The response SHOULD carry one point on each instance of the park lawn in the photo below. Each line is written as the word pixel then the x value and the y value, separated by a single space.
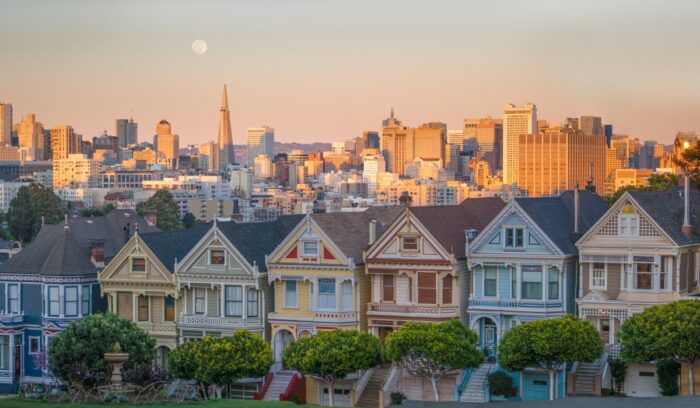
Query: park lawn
pixel 13 402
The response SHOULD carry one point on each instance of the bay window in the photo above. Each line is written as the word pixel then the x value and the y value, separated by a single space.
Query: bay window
pixel 427 288
pixel 290 294
pixel 13 298
pixel 4 352
pixel 54 301
pixel 71 301
pixel 169 309
pixel 388 288
pixel 143 308
pixel 233 301
pixel 598 276
pixel 447 290
pixel 252 303
pixel 326 294
pixel 665 268
pixel 85 300
pixel 490 281
pixel 643 272
pixel 553 281
pixel 200 300
pixel 346 302
pixel 532 282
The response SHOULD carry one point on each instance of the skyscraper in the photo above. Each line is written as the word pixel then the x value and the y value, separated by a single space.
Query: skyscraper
pixel 489 138
pixel 64 142
pixel 225 138
pixel 167 144
pixel 209 157
pixel 127 132
pixel 401 145
pixel 31 136
pixel 5 124
pixel 261 140
pixel 591 125
pixel 517 120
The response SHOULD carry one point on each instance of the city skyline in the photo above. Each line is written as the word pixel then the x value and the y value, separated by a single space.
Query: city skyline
pixel 114 64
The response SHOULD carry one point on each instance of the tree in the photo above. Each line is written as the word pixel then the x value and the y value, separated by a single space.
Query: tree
pixel 548 344
pixel 164 204
pixel 690 162
pixel 87 340
pixel 664 331
pixel 27 209
pixel 332 355
pixel 218 361
pixel 188 220
pixel 657 182
pixel 431 350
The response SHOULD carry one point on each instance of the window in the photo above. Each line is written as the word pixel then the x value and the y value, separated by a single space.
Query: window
pixel 309 248
pixel 71 301
pixel 598 276
pixel 169 309
pixel 490 282
pixel 54 301
pixel 143 308
pixel 388 288
pixel 346 295
pixel 290 294
pixel 200 300
pixel 326 293
pixel 233 297
pixel 643 272
pixel 34 345
pixel 553 288
pixel 138 264
pixel 252 300
pixel 4 352
pixel 628 222
pixel 13 298
pixel 514 237
pixel 513 282
pixel 217 257
pixel 85 300
pixel 447 290
pixel 532 282
pixel 409 244
pixel 664 272
pixel 426 287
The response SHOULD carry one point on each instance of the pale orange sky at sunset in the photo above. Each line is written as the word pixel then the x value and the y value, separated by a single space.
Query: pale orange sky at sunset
pixel 327 70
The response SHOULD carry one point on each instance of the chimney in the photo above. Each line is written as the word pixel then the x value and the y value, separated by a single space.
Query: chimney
pixel 372 231
pixel 97 252
pixel 686 228
pixel 151 217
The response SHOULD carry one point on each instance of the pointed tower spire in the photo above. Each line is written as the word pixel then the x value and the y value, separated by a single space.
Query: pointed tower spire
pixel 225 139
pixel 224 100
pixel 392 112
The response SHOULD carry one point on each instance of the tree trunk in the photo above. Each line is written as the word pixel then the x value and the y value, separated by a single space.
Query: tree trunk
pixel 331 393
pixel 435 388
pixel 218 389
pixel 691 378
pixel 552 380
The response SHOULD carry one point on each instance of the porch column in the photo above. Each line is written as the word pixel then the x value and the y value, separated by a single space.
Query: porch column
pixel 612 330
pixel 222 300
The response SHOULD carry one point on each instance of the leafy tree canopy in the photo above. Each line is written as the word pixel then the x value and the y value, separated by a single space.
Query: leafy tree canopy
pixel 88 339
pixel 332 355
pixel 164 204
pixel 188 220
pixel 26 210
pixel 431 350
pixel 657 182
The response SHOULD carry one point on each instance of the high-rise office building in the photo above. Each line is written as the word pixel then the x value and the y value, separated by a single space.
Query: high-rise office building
pixel 650 154
pixel 557 159
pixel 591 125
pixel 209 157
pixel 64 142
pixel 401 145
pixel 5 124
pixel 369 140
pixel 76 171
pixel 127 132
pixel 489 139
pixel 167 144
pixel 455 137
pixel 225 139
pixel 262 166
pixel 261 140
pixel 517 120
pixel 31 136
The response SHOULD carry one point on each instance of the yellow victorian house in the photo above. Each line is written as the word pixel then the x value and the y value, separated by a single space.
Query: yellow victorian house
pixel 319 282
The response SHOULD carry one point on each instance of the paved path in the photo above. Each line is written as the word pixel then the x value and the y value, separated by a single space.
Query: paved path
pixel 576 402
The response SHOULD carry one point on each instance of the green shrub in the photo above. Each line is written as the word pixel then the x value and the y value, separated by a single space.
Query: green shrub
pixel 618 369
pixel 397 398
pixel 667 372
pixel 502 384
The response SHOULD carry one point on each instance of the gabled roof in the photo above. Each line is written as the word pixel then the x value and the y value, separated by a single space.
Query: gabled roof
pixel 256 240
pixel 349 231
pixel 171 246
pixel 54 252
pixel 666 209
pixel 447 223
pixel 555 216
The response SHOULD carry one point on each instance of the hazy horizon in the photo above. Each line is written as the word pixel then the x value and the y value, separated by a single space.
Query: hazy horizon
pixel 320 71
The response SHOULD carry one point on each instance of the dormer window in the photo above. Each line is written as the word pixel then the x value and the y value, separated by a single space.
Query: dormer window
pixel 138 264
pixel 515 237
pixel 628 222
pixel 409 244
pixel 309 248
pixel 217 257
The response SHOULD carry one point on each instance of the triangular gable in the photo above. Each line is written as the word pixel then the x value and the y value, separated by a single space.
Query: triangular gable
pixel 489 240
pixel 607 225
pixel 388 244
pixel 290 252
pixel 197 259
pixel 119 267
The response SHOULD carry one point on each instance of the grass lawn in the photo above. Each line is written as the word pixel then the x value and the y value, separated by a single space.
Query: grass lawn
pixel 13 402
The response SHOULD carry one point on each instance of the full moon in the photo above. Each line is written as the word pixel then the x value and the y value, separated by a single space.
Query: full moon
pixel 199 46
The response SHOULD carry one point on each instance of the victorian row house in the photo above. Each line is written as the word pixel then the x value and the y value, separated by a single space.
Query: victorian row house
pixel 644 251
pixel 51 283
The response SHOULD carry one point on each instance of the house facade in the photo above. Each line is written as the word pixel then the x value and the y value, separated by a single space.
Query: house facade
pixel 317 273
pixel 639 254
pixel 524 268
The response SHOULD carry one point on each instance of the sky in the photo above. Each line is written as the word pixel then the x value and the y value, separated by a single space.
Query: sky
pixel 325 70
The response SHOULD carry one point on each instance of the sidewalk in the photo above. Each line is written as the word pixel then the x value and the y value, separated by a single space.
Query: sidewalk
pixel 574 402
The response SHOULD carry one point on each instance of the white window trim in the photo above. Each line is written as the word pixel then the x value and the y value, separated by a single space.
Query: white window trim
pixel 351 295
pixel 217 265
pixel 505 237
pixel 29 344
pixel 131 264
pixel 48 301
pixel 335 294
pixel 7 298
pixel 303 248
pixel 78 300
pixel 244 304
pixel 403 249
pixel 629 216
pixel 194 301
pixel 483 285
pixel 284 294
pixel 605 277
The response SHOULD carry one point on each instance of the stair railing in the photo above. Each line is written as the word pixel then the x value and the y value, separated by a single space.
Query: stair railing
pixel 463 381
pixel 266 384
pixel 362 384
pixel 296 389
pixel 388 386
pixel 485 385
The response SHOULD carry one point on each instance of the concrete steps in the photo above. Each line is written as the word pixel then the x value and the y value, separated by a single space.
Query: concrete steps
pixel 474 392
pixel 279 384
pixel 370 396
pixel 584 384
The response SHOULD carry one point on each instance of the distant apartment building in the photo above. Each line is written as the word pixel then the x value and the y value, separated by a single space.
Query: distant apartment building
pixel 555 160
pixel 632 178
pixel 426 169
pixel 591 125
pixel 76 171
pixel 209 157
pixel 64 142
pixel 627 150
pixel 241 182
pixel 206 187
pixel 8 192
pixel 261 140
pixel 401 145
pixel 128 180
pixel 262 167
pixel 489 140
pixel 208 210
pixel 5 123
pixel 30 134
pixel 517 120
pixel 127 132
pixel 167 144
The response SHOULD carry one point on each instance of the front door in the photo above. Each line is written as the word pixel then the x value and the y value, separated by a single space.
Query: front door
pixel 18 362
pixel 605 330
pixel 490 340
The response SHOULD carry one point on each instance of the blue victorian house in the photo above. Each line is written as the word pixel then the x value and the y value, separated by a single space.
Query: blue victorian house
pixel 524 267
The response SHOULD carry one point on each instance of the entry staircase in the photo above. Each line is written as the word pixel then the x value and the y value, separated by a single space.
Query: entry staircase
pixel 475 389
pixel 278 385
pixel 370 396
